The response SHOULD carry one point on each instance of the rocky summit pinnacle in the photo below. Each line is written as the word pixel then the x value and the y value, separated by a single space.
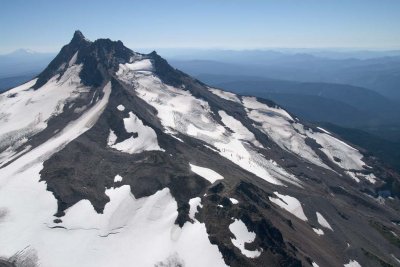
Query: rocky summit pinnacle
pixel 111 157
pixel 78 35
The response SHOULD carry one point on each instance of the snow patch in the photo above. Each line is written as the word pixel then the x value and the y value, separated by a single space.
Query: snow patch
pixel 145 141
pixel 242 236
pixel 233 200
pixel 117 178
pixel 290 204
pixel 225 95
pixel 323 222
pixel 140 65
pixel 121 108
pixel 73 59
pixel 194 203
pixel 325 131
pixel 252 103
pixel 318 231
pixel 206 173
pixel 112 138
pixel 352 263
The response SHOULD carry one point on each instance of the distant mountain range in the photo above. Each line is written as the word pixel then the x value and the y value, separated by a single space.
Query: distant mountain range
pixel 381 75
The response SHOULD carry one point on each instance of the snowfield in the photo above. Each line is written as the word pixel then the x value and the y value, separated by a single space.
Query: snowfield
pixel 84 235
pixel 291 136
pixel 181 112
pixel 56 143
pixel 25 111
pixel 278 124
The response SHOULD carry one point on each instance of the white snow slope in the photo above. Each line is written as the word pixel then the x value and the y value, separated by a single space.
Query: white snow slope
pixel 25 111
pixel 130 230
pixel 179 111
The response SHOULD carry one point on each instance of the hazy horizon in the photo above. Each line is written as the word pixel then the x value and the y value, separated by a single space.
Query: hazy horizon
pixel 45 26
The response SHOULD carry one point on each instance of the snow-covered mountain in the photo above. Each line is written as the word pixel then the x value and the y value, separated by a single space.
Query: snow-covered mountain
pixel 114 158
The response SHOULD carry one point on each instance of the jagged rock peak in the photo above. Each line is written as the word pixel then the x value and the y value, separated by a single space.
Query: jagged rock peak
pixel 78 35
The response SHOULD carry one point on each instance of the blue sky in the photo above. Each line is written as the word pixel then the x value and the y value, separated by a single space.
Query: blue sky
pixel 44 25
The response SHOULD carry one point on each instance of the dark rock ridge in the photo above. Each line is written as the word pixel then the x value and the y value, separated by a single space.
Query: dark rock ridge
pixel 86 167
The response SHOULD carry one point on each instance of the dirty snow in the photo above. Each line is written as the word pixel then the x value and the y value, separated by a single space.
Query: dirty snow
pixel 242 236
pixel 206 173
pixel 290 204
pixel 145 141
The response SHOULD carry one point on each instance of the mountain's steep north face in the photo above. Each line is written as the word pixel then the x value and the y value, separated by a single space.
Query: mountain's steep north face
pixel 113 158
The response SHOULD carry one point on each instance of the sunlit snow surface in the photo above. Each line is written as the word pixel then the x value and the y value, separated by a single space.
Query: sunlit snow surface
pixel 277 124
pixel 242 236
pixel 291 135
pixel 323 222
pixel 234 201
pixel 142 230
pixel 318 231
pixel 146 139
pixel 179 111
pixel 25 111
pixel 225 95
pixel 206 173
pixel 130 230
pixel 290 204
pixel 352 263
